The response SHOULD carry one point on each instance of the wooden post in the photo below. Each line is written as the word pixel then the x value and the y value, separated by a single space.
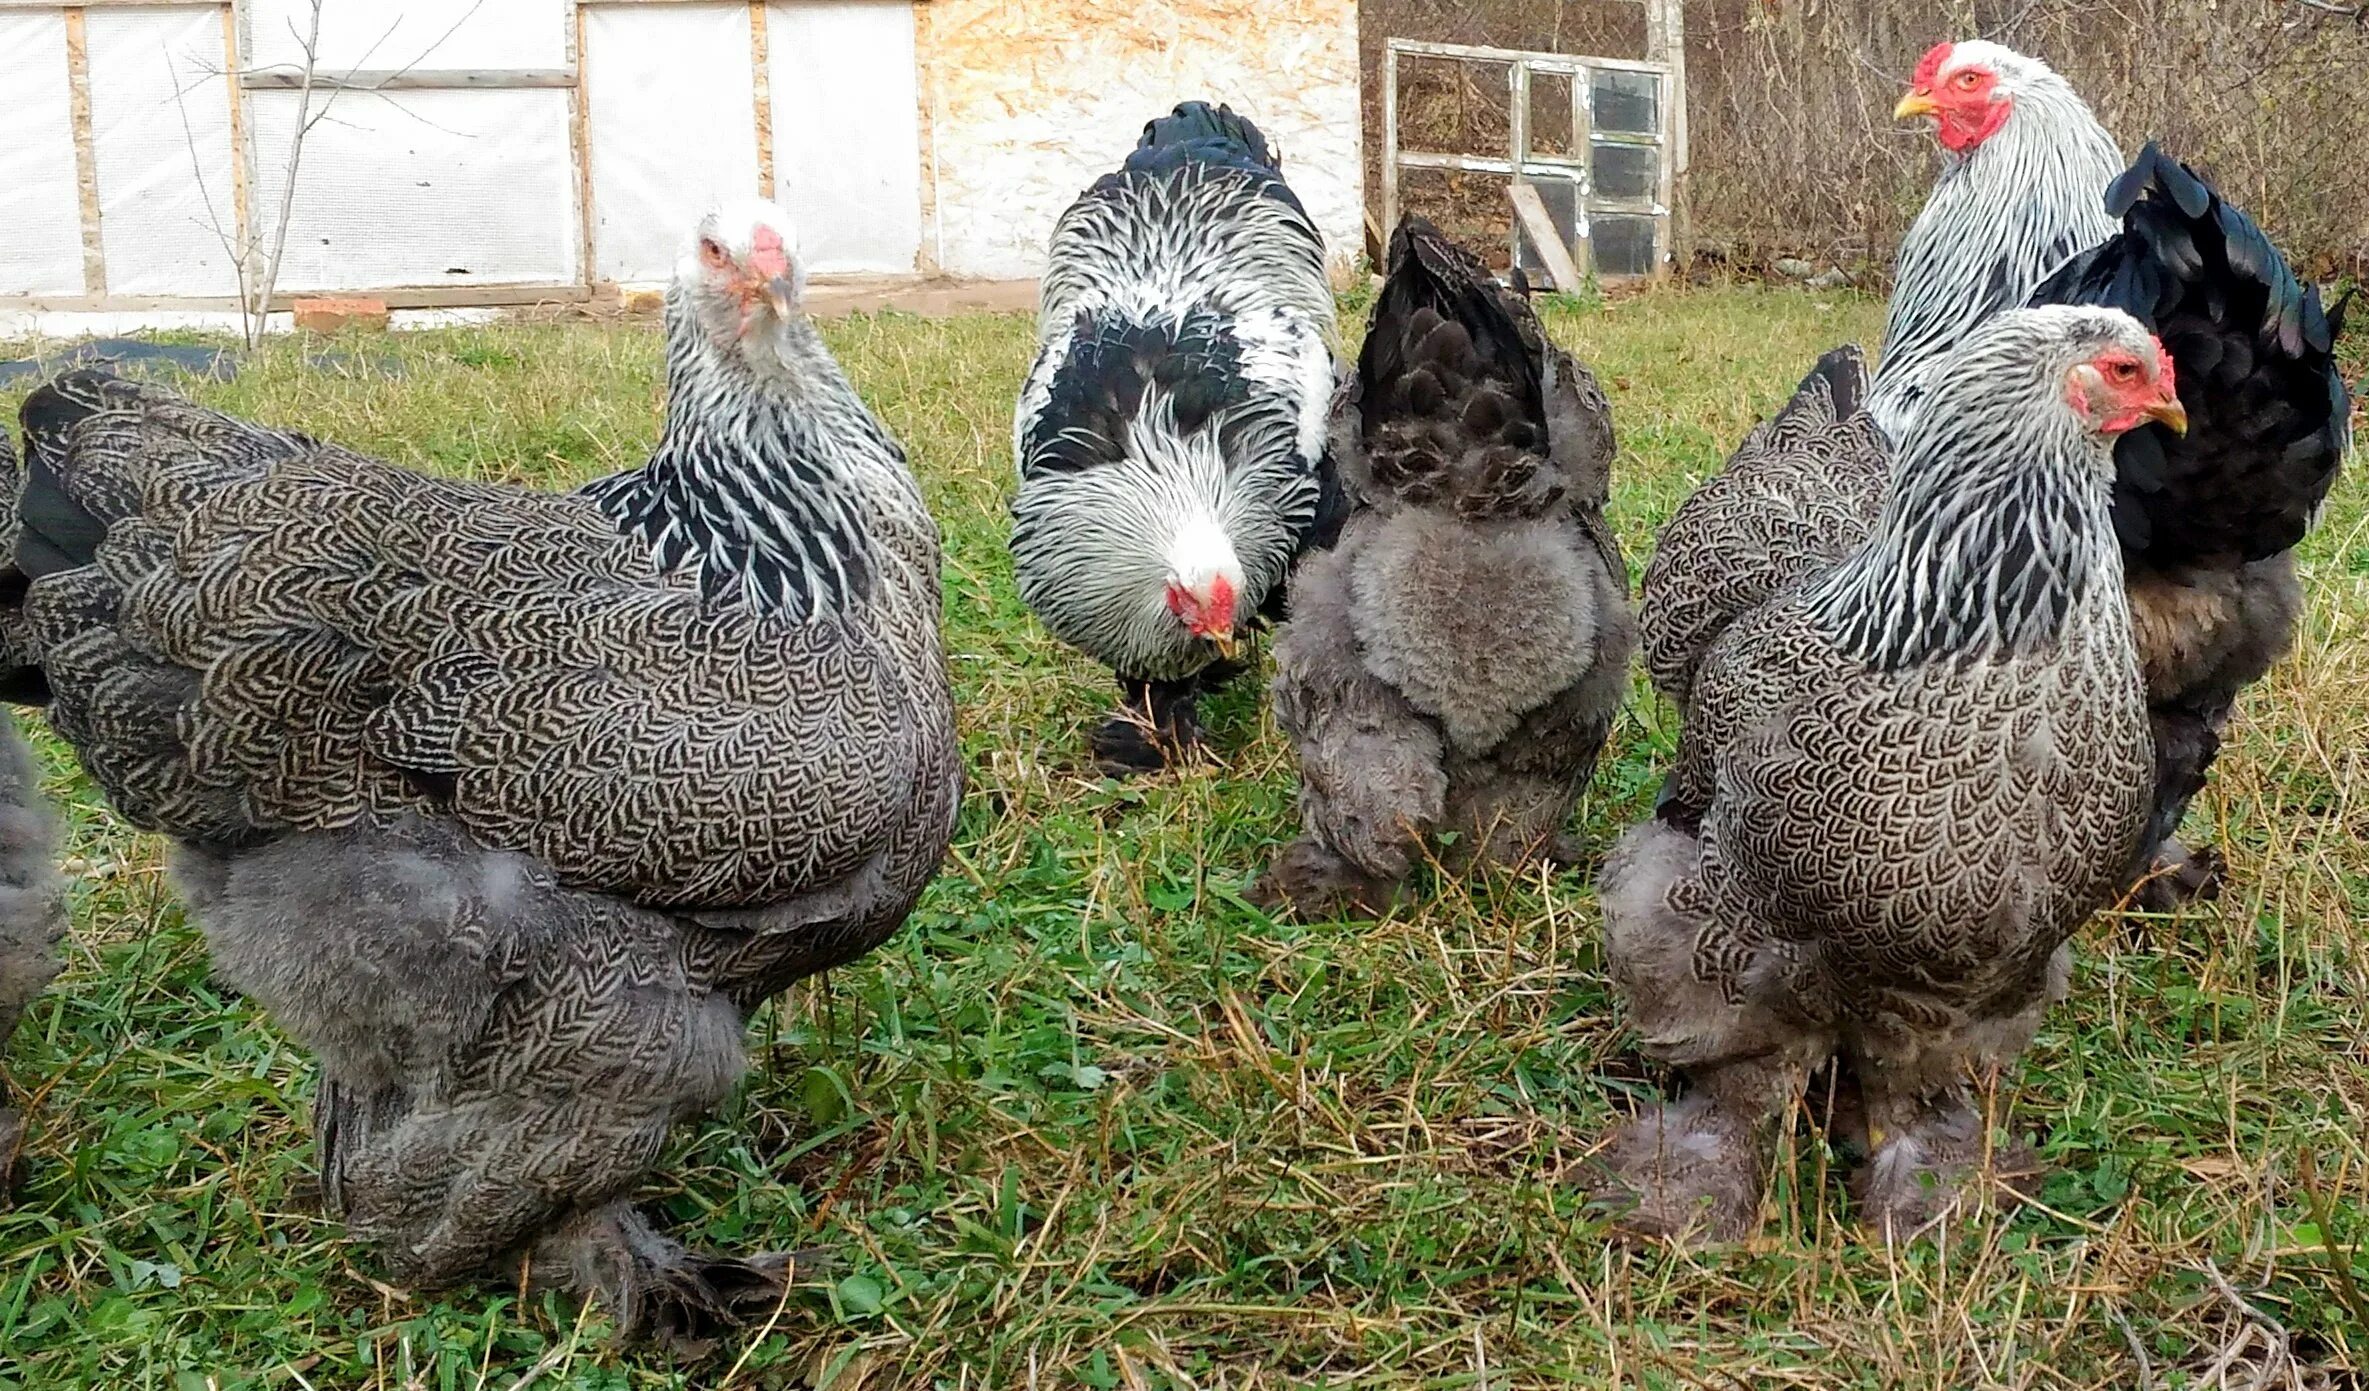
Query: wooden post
pixel 1517 82
pixel 761 76
pixel 242 198
pixel 1665 43
pixel 580 148
pixel 1389 149
pixel 86 154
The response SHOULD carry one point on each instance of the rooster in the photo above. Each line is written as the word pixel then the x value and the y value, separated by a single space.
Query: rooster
pixel 1170 437
pixel 2023 165
pixel 1478 458
pixel 1902 783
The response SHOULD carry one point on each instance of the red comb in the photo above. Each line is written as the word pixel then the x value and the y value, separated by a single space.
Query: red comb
pixel 1929 66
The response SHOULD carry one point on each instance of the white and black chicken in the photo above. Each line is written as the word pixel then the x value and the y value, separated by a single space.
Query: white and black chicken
pixel 1170 438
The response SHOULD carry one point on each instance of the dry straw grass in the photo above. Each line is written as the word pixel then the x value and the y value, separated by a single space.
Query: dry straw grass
pixel 1091 1121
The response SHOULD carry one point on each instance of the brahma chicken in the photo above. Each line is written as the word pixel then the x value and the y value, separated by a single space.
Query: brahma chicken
pixel 1902 783
pixel 509 805
pixel 1170 437
pixel 2206 523
pixel 1454 663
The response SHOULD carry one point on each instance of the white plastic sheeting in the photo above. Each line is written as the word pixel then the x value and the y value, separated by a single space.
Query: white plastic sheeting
pixel 378 36
pixel 406 188
pixel 846 131
pixel 672 110
pixel 160 124
pixel 40 207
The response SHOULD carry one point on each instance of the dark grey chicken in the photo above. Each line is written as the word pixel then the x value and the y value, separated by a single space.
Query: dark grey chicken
pixel 1903 782
pixel 1453 664
pixel 512 805
pixel 32 905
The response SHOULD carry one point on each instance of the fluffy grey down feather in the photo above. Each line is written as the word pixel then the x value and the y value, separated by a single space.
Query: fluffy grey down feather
pixel 32 906
pixel 1454 663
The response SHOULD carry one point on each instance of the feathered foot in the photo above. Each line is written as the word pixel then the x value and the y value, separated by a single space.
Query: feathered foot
pixel 1316 883
pixel 1931 1167
pixel 658 1289
pixel 1688 1171
pixel 1157 725
pixel 2176 876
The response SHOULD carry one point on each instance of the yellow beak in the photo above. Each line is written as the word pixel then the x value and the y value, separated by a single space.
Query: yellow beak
pixel 2170 412
pixel 1916 103
pixel 1226 643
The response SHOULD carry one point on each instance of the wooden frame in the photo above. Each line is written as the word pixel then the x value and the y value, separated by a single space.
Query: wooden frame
pixel 241 81
pixel 1524 165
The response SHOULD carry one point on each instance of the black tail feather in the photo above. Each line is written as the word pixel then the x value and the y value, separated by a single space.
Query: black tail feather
pixel 1198 123
pixel 2252 346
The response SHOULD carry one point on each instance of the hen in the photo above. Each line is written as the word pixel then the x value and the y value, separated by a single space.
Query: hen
pixel 32 904
pixel 1903 782
pixel 1454 662
pixel 1170 437
pixel 512 805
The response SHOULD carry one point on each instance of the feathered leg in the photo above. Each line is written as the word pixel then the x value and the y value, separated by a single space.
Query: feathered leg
pixel 1929 1145
pixel 1372 781
pixel 1695 1168
pixel 2204 635
pixel 502 1057
pixel 1156 723
pixel 32 909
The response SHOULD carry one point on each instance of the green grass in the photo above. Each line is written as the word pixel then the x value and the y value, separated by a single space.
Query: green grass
pixel 1089 1120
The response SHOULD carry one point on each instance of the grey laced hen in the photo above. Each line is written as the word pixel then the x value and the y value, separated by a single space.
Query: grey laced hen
pixel 1170 436
pixel 512 805
pixel 1454 662
pixel 1902 783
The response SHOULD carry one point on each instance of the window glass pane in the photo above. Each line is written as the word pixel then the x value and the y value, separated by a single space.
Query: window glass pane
pixel 1622 245
pixel 1626 101
pixel 1626 171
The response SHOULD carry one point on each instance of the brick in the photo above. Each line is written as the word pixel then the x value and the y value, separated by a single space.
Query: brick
pixel 335 315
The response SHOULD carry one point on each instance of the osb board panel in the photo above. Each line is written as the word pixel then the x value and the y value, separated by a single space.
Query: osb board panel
pixel 1031 100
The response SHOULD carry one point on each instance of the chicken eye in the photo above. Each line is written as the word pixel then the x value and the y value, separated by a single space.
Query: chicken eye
pixel 2122 371
pixel 711 252
pixel 1968 80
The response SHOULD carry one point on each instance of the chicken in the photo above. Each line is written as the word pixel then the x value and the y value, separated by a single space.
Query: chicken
pixel 511 806
pixel 1477 457
pixel 2024 164
pixel 2206 523
pixel 1902 784
pixel 1170 437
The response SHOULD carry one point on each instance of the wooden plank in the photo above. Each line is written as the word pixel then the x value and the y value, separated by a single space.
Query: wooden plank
pixel 1517 140
pixel 1665 41
pixel 410 79
pixel 106 4
pixel 580 151
pixel 931 257
pixel 1390 154
pixel 1531 215
pixel 1471 164
pixel 242 199
pixel 400 297
pixel 86 153
pixel 1544 62
pixel 761 78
